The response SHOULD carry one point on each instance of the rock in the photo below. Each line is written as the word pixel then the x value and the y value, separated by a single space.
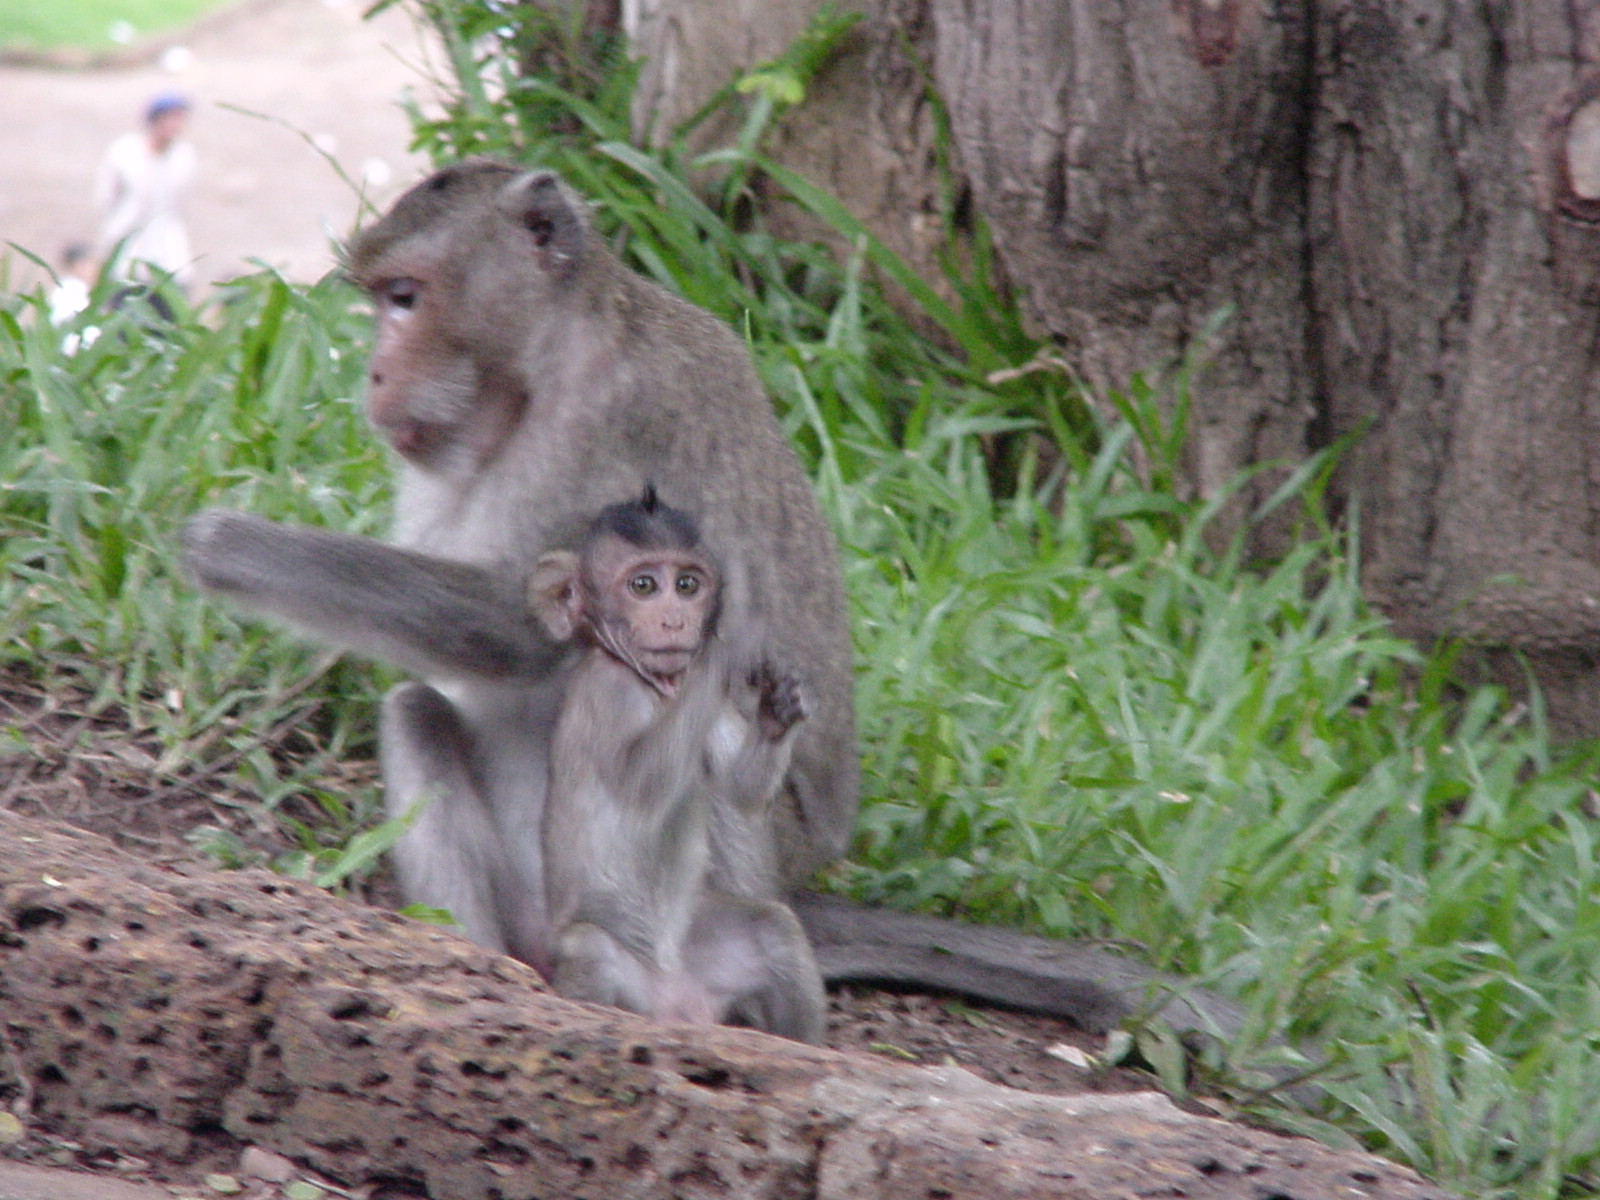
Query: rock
pixel 377 1049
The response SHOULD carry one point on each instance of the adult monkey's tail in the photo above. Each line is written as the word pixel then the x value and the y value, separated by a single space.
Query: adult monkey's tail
pixel 1091 987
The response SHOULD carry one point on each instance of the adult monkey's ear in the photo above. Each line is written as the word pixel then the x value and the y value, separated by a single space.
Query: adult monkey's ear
pixel 554 218
pixel 553 593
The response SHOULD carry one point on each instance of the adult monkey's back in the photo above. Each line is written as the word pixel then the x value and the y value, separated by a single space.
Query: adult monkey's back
pixel 527 380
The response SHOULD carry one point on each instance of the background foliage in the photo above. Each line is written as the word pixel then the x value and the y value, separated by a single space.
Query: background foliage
pixel 90 24
pixel 1082 710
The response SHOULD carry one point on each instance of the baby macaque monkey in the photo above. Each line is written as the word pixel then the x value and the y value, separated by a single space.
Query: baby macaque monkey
pixel 656 726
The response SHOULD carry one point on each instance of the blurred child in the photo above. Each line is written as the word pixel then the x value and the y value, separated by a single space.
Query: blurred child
pixel 71 294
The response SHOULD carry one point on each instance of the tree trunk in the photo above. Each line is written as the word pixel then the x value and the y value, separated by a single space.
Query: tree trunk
pixel 1399 201
pixel 867 131
pixel 1454 199
pixel 140 1008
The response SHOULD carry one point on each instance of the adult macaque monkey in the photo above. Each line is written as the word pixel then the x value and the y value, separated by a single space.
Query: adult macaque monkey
pixel 527 379
pixel 647 722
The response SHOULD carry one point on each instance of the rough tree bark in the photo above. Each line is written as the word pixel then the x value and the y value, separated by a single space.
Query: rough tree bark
pixel 1455 217
pixel 1400 201
pixel 140 1007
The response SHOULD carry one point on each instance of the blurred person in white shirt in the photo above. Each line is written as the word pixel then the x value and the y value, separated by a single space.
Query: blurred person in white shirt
pixel 141 188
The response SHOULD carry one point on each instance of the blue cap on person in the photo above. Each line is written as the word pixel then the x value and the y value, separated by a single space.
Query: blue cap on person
pixel 166 102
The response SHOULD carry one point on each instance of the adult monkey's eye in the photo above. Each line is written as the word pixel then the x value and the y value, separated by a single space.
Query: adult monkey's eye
pixel 401 293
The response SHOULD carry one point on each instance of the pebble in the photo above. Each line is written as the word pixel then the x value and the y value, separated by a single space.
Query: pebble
pixel 264 1164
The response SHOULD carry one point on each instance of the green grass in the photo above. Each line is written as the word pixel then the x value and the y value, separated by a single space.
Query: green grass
pixel 91 24
pixel 1078 714
pixel 109 449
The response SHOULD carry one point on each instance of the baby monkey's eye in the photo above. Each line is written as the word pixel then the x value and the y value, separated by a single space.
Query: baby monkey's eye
pixel 642 585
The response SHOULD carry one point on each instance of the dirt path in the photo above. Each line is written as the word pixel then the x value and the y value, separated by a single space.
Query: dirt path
pixel 313 66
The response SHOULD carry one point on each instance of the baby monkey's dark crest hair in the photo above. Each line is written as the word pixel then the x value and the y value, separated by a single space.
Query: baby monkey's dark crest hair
pixel 648 523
